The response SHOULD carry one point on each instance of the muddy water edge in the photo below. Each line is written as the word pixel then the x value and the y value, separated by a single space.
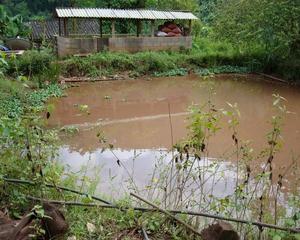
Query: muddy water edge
pixel 143 118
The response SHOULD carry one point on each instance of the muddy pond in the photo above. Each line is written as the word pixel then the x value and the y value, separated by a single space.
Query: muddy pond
pixel 142 119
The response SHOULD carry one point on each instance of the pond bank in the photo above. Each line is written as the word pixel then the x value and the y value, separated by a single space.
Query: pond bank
pixel 126 76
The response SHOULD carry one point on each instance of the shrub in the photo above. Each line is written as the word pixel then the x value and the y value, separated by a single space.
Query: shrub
pixel 118 61
pixel 289 69
pixel 148 62
pixel 3 64
pixel 206 53
pixel 75 66
pixel 49 75
pixel 31 62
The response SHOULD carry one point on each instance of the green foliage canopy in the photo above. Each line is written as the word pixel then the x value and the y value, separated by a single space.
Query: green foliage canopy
pixel 273 24
pixel 11 26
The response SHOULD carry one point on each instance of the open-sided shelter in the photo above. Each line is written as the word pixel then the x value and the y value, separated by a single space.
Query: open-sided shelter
pixel 70 43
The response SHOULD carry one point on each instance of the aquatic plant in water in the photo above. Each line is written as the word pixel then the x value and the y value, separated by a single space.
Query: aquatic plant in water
pixel 221 69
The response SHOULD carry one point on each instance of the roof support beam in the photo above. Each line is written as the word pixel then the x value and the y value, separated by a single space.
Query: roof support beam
pixel 74 26
pixel 152 28
pixel 138 27
pixel 66 27
pixel 100 27
pixel 113 28
pixel 190 27
pixel 59 27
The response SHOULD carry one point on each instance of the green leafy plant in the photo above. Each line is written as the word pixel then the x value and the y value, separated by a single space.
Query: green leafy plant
pixel 3 64
pixel 32 62
pixel 175 72
pixel 221 69
pixel 11 26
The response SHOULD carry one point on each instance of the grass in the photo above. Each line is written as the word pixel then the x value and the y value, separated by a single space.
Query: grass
pixel 217 57
pixel 111 223
pixel 204 54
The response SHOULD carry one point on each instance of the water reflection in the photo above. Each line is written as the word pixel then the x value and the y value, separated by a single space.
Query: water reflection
pixel 136 115
pixel 135 170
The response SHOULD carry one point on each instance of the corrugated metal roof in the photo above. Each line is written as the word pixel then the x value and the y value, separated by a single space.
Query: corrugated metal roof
pixel 183 15
pixel 146 14
pixel 105 13
pixel 159 14
pixel 123 14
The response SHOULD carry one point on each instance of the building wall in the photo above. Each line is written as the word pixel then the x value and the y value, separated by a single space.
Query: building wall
pixel 71 46
pixel 148 43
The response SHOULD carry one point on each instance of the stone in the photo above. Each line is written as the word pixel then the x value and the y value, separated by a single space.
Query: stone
pixel 54 225
pixel 219 231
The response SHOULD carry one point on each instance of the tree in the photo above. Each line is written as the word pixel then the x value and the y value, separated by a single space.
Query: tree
pixel 11 26
pixel 273 24
pixel 207 10
pixel 32 8
pixel 190 5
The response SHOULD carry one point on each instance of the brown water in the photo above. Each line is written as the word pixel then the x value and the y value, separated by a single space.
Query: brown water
pixel 134 116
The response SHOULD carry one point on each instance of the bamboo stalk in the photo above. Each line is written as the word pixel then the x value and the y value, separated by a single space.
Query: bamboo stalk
pixel 272 77
pixel 145 234
pixel 27 182
pixel 192 213
pixel 167 213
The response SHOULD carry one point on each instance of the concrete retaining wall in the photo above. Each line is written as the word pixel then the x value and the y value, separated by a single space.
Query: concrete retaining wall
pixel 71 46
pixel 79 45
pixel 148 43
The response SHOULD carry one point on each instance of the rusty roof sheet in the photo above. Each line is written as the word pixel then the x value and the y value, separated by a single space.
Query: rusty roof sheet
pixel 123 14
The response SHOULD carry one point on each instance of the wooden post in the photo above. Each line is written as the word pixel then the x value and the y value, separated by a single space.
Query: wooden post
pixel 152 28
pixel 44 30
pixel 76 25
pixel 59 27
pixel 190 27
pixel 65 27
pixel 73 26
pixel 113 30
pixel 100 27
pixel 138 27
